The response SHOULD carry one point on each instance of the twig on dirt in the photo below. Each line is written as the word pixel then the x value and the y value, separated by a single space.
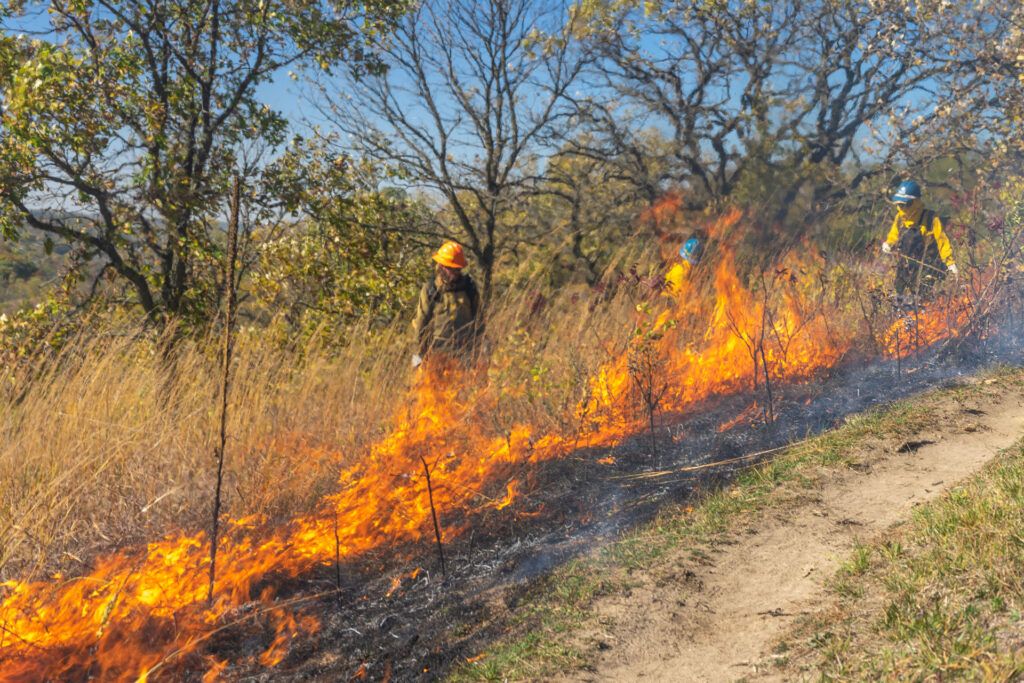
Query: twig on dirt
pixel 766 322
pixel 474 492
pixel 704 466
pixel 899 352
pixel 869 321
pixel 146 508
pixel 770 408
pixel 645 367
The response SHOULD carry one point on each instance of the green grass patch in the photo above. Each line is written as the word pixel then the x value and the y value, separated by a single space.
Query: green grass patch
pixel 939 598
pixel 539 642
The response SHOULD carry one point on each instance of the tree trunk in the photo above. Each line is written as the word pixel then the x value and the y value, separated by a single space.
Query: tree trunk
pixel 486 280
pixel 485 261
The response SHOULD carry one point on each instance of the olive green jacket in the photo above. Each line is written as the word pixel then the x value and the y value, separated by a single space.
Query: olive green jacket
pixel 448 316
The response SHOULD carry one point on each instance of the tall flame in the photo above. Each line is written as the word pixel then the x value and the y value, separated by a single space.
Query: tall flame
pixel 140 611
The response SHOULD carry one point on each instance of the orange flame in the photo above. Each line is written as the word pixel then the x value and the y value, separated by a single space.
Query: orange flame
pixel 933 322
pixel 396 582
pixel 748 414
pixel 140 610
pixel 510 494
pixel 663 214
pixel 213 673
pixel 288 627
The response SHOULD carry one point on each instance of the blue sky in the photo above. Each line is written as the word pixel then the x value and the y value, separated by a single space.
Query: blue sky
pixel 283 94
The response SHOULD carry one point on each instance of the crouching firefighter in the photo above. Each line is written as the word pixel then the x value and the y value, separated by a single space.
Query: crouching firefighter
pixel 921 246
pixel 448 320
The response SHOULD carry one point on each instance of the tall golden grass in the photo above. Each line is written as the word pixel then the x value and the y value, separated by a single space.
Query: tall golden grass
pixel 110 442
pixel 114 443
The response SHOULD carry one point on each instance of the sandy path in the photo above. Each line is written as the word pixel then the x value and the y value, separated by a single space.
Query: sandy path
pixel 716 621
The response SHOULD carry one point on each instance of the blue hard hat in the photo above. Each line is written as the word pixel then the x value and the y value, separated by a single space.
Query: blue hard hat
pixel 908 191
pixel 690 251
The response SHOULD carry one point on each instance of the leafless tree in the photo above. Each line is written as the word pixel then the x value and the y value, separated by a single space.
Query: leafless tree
pixel 698 74
pixel 649 380
pixel 469 107
pixel 784 100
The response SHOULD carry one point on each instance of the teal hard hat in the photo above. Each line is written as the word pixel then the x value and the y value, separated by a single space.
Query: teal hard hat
pixel 907 192
pixel 691 250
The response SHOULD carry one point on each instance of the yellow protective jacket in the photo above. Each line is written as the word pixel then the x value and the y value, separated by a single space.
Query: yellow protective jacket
pixel 676 278
pixel 907 219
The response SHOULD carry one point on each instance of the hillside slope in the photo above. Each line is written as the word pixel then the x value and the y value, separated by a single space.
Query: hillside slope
pixel 777 568
pixel 707 594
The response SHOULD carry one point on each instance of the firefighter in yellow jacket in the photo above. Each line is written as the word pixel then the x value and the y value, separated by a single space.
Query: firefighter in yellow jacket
pixel 679 274
pixel 919 242
pixel 448 314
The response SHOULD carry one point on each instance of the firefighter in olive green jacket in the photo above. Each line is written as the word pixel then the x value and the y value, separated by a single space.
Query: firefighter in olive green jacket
pixel 448 314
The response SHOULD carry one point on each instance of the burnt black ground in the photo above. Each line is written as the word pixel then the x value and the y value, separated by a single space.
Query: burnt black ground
pixel 427 625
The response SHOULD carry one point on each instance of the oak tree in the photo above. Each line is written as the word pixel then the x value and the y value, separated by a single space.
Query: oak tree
pixel 123 121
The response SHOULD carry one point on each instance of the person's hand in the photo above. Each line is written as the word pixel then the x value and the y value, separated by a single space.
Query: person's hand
pixel 416 360
pixel 886 248
pixel 953 269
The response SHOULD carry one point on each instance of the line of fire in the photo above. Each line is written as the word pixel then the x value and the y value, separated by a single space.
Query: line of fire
pixel 713 374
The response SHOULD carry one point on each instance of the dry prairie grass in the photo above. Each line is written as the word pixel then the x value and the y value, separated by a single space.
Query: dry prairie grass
pixel 111 444
pixel 114 443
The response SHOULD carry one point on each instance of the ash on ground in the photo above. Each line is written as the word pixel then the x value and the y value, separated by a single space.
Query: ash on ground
pixel 396 618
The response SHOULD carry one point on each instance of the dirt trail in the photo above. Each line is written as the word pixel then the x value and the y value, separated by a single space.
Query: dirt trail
pixel 717 621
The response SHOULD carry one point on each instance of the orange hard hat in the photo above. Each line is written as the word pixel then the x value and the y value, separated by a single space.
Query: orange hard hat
pixel 450 255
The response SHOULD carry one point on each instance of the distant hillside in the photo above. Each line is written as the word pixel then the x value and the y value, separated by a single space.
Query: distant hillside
pixel 26 270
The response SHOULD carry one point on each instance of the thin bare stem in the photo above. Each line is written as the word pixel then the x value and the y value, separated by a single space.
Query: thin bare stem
pixel 229 323
pixel 433 512
pixel 337 553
